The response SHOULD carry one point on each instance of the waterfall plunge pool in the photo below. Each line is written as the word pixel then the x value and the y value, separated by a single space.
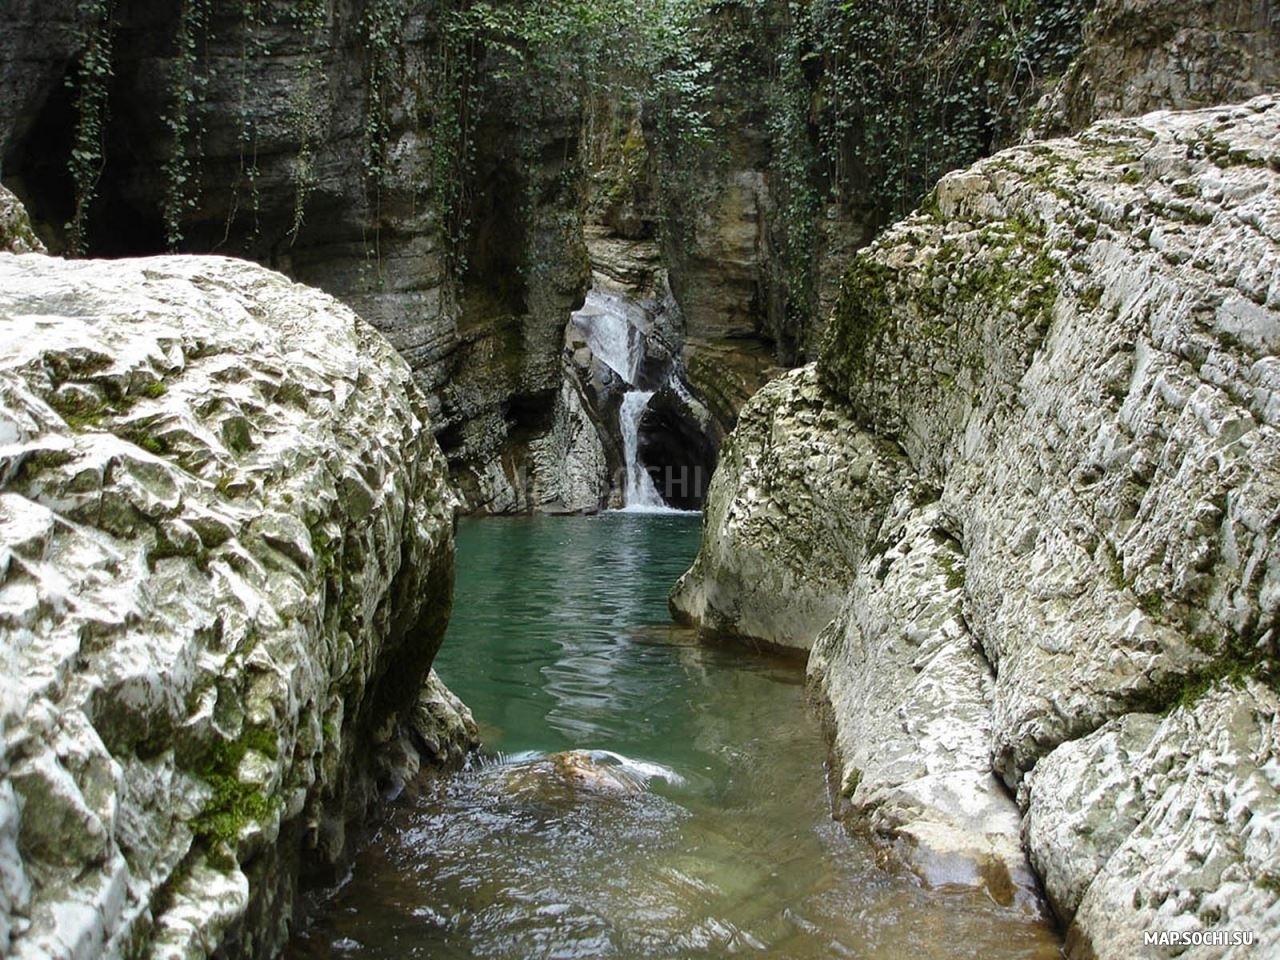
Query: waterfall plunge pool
pixel 560 640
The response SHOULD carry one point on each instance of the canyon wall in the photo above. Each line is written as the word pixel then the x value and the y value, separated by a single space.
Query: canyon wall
pixel 346 144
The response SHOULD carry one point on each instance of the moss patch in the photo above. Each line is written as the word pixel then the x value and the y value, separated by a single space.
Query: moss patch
pixel 234 803
pixel 954 281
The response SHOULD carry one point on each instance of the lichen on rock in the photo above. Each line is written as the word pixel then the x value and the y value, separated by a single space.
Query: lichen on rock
pixel 16 234
pixel 225 566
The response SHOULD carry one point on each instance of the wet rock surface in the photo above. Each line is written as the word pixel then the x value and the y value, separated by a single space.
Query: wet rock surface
pixel 225 567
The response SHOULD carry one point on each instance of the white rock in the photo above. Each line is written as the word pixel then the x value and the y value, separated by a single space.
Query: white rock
pixel 225 555
pixel 1073 351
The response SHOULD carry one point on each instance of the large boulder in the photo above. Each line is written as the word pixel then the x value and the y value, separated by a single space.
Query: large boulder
pixel 226 563
pixel 910 695
pixel 1073 348
pixel 16 235
pixel 793 505
pixel 1075 342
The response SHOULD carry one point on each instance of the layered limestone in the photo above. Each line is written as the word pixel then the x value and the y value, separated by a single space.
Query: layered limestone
pixel 322 143
pixel 1073 346
pixel 1142 55
pixel 225 566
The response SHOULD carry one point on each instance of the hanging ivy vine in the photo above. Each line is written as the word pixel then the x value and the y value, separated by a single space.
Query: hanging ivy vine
pixel 309 102
pixel 252 46
pixel 865 102
pixel 912 88
pixel 873 100
pixel 184 120
pixel 91 83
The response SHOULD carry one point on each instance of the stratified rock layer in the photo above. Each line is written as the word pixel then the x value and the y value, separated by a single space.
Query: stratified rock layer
pixel 1073 345
pixel 1142 55
pixel 225 566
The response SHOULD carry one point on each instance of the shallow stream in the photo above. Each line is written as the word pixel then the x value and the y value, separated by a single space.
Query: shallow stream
pixel 560 640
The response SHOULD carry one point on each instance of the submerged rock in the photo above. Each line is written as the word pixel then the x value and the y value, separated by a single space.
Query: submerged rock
pixel 568 775
pixel 1072 350
pixel 225 566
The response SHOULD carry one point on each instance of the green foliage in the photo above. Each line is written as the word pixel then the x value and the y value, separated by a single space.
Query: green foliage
pixel 912 88
pixel 183 121
pixel 381 33
pixel 794 167
pixel 308 102
pixel 604 56
pixel 251 47
pixel 93 76
pixel 871 101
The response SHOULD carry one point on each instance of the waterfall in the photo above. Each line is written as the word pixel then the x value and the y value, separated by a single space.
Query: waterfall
pixel 638 489
pixel 613 327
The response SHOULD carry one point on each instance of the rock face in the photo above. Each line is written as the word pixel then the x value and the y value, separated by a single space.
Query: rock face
pixel 797 498
pixel 16 235
pixel 225 566
pixel 323 141
pixel 910 693
pixel 1142 55
pixel 1073 348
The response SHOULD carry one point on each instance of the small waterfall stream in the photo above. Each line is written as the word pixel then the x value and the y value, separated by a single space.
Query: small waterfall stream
pixel 614 327
pixel 639 490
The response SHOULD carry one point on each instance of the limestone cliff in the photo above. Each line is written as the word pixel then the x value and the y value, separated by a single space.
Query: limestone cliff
pixel 345 143
pixel 225 567
pixel 1072 347
pixel 1141 55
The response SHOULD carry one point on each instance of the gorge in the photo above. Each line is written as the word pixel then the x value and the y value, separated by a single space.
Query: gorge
pixel 956 321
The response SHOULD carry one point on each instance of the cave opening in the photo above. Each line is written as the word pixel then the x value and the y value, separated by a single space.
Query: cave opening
pixel 38 170
pixel 676 450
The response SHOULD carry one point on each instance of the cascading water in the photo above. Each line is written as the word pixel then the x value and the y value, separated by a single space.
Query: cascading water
pixel 614 330
pixel 613 326
pixel 639 491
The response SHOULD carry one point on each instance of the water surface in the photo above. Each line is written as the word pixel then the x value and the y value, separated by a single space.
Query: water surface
pixel 560 640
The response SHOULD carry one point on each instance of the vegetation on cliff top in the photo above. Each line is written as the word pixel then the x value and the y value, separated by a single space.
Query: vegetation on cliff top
pixel 867 102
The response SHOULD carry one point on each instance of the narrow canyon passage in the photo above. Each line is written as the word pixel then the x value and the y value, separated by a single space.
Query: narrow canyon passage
pixel 696 823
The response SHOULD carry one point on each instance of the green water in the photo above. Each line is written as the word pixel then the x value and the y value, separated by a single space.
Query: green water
pixel 560 640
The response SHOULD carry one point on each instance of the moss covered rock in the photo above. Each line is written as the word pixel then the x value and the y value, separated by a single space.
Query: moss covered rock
pixel 1072 346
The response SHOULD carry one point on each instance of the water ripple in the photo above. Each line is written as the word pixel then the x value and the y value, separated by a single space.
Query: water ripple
pixel 701 831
